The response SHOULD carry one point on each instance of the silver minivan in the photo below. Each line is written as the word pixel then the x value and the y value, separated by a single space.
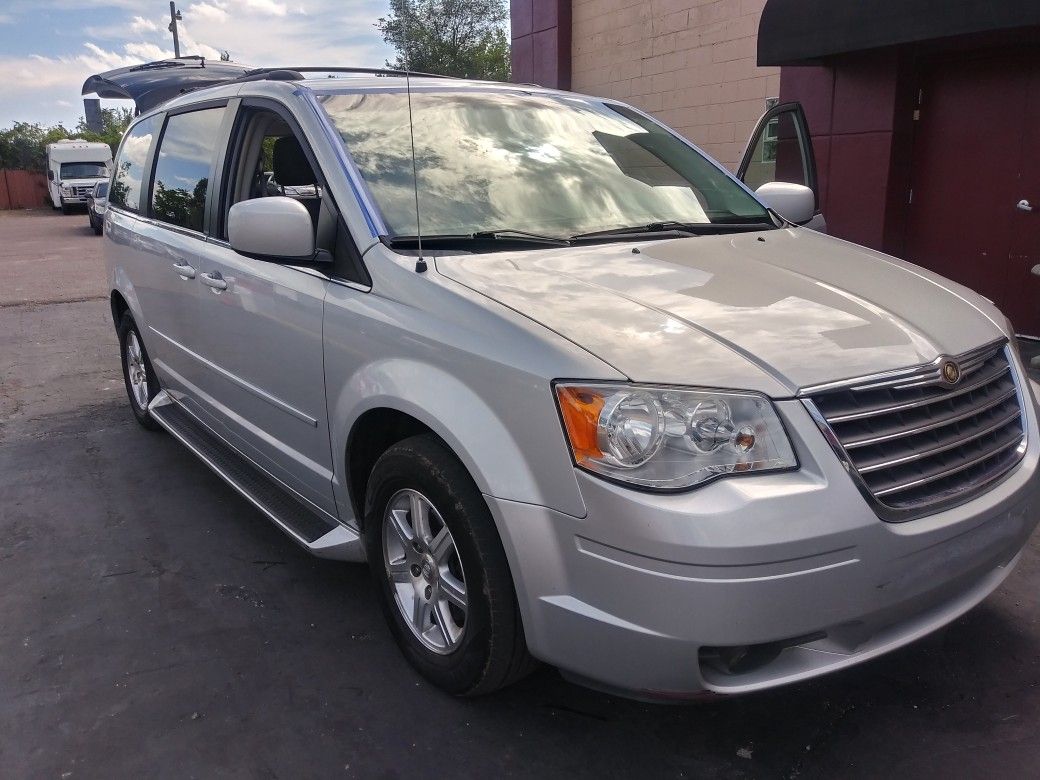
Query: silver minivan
pixel 575 392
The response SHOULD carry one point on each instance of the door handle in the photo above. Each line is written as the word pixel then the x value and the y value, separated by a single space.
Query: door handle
pixel 186 271
pixel 1023 205
pixel 214 280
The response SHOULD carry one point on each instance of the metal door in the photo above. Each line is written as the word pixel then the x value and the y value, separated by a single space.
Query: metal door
pixel 971 172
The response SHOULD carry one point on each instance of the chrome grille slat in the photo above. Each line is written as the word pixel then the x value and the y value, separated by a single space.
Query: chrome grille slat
pixel 884 464
pixel 923 480
pixel 944 421
pixel 916 377
pixel 915 443
pixel 880 410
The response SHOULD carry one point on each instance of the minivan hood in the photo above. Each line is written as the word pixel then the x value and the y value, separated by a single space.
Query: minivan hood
pixel 773 311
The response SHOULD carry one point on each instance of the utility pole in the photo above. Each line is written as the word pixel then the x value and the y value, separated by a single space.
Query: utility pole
pixel 175 16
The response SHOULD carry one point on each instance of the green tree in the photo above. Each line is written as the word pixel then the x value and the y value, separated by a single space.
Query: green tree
pixel 452 37
pixel 24 145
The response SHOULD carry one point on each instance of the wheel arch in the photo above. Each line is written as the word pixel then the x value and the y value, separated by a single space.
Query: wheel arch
pixel 372 434
pixel 122 297
pixel 442 405
pixel 118 305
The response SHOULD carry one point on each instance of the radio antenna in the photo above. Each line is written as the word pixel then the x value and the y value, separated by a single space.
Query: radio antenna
pixel 420 264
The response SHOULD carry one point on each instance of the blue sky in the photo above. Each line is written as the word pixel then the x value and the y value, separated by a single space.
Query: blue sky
pixel 49 47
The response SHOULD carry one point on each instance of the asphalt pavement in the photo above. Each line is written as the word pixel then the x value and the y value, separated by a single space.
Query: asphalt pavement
pixel 152 623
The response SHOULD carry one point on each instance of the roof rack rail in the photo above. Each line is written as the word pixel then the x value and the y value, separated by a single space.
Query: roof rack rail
pixel 284 73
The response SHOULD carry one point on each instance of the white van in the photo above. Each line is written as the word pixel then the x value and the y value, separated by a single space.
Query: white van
pixel 73 168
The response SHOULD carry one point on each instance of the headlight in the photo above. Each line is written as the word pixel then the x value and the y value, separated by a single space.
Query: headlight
pixel 668 439
pixel 66 190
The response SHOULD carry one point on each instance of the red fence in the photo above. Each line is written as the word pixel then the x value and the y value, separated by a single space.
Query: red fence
pixel 22 189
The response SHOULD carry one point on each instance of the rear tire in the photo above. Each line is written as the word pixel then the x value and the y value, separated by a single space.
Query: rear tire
pixel 443 581
pixel 138 376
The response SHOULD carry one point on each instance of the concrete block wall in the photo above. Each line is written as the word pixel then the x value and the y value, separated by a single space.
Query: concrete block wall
pixel 690 63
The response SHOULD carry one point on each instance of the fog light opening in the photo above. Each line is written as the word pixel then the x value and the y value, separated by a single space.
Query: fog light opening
pixel 741 659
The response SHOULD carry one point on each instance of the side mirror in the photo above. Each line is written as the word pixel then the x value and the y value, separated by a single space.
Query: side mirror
pixel 275 228
pixel 50 174
pixel 794 202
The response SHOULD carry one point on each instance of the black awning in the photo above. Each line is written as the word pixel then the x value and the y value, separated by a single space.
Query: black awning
pixel 795 32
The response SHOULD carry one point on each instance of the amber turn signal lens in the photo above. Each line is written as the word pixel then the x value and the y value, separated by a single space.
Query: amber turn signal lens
pixel 580 409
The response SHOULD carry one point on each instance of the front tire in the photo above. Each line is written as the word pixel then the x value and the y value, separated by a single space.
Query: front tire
pixel 440 570
pixel 138 375
pixel 65 208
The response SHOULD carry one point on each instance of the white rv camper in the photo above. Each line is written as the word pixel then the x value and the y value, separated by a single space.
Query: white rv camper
pixel 74 166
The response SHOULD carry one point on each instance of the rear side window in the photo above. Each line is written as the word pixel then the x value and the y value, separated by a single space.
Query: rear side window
pixel 182 168
pixel 129 166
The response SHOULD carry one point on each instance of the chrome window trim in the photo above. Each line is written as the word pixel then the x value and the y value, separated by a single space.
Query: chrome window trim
pixel 189 232
pixel 885 512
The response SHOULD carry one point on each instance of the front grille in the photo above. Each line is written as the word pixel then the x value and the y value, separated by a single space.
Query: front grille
pixel 82 191
pixel 917 442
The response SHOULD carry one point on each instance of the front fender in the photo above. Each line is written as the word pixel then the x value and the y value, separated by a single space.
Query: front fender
pixel 475 431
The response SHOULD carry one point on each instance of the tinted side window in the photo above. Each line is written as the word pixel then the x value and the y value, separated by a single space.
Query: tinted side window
pixel 181 181
pixel 129 166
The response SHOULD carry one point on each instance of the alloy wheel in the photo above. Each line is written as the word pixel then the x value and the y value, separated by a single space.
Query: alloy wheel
pixel 136 371
pixel 424 570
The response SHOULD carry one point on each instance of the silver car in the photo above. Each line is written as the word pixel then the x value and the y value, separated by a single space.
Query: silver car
pixel 574 391
pixel 97 202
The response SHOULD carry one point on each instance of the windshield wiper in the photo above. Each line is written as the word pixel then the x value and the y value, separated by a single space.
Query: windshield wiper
pixel 670 228
pixel 479 237
pixel 519 235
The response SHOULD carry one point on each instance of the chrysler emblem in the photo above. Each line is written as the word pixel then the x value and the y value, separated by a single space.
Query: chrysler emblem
pixel 951 372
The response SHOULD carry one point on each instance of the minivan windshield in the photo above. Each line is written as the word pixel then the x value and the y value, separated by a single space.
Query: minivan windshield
pixel 84 170
pixel 553 165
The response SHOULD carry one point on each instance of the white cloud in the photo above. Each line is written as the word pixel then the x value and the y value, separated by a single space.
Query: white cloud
pixel 261 6
pixel 141 25
pixel 209 13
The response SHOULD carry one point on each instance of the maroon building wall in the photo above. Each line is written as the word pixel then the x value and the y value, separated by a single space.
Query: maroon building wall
pixel 859 109
pixel 541 42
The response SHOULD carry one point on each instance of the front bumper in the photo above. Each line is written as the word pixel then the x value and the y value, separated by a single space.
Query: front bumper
pixel 640 594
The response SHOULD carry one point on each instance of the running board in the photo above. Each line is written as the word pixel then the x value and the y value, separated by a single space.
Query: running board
pixel 313 530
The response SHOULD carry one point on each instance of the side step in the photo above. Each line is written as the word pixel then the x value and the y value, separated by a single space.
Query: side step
pixel 312 529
